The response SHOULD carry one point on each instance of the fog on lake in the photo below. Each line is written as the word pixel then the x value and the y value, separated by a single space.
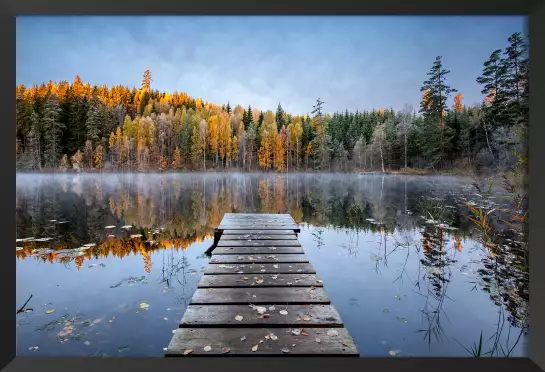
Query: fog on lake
pixel 398 256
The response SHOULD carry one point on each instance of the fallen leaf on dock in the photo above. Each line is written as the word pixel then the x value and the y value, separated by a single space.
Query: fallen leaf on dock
pixel 306 318
pixel 243 338
pixel 239 318
pixel 284 350
pixel 207 348
pixel 283 312
pixel 272 308
pixel 225 350
pixel 254 348
pixel 296 331
pixel 318 340
pixel 332 333
pixel 188 351
pixel 259 281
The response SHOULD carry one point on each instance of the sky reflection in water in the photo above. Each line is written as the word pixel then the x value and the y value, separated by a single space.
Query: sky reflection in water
pixel 402 285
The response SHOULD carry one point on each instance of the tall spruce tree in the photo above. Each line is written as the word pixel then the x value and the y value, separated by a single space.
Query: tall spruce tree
pixel 279 117
pixel 52 132
pixel 434 107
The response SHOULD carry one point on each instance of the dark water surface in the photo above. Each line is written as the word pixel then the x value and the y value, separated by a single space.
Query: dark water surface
pixel 399 259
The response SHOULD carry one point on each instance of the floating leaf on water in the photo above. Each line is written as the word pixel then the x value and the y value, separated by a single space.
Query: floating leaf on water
pixel 111 320
pixel 87 343
pixel 144 305
pixel 283 312
pixel 394 352
pixel 50 311
pixel 254 348
pixel 239 318
pixel 89 245
pixel 91 265
pixel 332 333
pixel 207 348
pixel 272 308
pixel 33 348
pixel 123 348
pixel 285 351
pixel 165 318
pixel 385 311
pixel 402 319
pixel 225 350
pixel 306 318
pixel 135 236
pixel 383 342
pixel 188 351
pixel 399 298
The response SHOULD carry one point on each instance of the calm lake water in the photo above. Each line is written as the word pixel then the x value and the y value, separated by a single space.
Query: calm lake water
pixel 404 285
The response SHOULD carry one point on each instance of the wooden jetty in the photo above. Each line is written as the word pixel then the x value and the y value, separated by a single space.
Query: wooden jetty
pixel 260 296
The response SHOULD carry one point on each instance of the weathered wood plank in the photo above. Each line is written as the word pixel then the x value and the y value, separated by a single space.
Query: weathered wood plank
pixel 296 229
pixel 250 226
pixel 259 237
pixel 258 218
pixel 241 216
pixel 251 280
pixel 280 268
pixel 224 316
pixel 239 232
pixel 270 295
pixel 258 258
pixel 258 243
pixel 333 342
pixel 257 250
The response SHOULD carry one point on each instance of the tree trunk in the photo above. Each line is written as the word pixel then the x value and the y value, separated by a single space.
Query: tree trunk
pixel 381 158
pixel 405 145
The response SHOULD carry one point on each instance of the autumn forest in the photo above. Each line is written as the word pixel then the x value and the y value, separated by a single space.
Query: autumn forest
pixel 65 126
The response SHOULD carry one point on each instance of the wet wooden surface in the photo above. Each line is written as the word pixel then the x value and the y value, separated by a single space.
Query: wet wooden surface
pixel 260 296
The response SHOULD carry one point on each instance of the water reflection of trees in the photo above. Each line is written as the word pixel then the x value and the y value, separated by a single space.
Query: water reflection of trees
pixel 172 212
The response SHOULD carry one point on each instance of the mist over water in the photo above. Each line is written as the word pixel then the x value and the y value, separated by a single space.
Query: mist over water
pixel 398 256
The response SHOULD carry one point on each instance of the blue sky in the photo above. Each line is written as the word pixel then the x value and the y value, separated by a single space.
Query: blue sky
pixel 351 63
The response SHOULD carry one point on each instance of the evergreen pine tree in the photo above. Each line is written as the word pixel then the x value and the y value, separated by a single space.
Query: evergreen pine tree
pixel 52 132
